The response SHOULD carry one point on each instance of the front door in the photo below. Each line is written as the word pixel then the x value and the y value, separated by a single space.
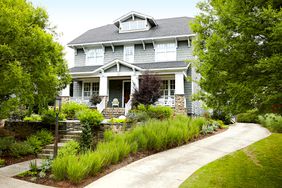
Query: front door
pixel 126 92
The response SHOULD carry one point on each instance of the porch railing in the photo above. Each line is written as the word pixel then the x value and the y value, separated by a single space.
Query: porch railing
pixel 80 100
pixel 128 106
pixel 102 105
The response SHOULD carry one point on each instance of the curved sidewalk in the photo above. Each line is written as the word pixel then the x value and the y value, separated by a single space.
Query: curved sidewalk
pixel 170 168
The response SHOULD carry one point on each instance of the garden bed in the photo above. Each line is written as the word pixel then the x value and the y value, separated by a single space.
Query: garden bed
pixel 48 180
pixel 9 160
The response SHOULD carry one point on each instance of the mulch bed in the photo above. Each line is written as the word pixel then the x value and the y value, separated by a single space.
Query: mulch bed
pixel 131 158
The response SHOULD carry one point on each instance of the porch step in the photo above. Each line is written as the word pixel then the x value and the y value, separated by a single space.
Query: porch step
pixel 113 112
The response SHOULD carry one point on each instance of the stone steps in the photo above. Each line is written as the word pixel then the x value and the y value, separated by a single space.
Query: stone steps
pixel 72 131
pixel 113 112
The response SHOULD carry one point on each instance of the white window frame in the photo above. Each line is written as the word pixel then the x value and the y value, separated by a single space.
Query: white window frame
pixel 165 52
pixel 91 92
pixel 168 99
pixel 133 25
pixel 95 53
pixel 127 58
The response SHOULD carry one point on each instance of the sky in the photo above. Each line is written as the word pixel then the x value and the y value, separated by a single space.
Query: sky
pixel 74 17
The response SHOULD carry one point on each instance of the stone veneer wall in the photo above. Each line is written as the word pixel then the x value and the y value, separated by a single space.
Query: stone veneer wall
pixel 180 104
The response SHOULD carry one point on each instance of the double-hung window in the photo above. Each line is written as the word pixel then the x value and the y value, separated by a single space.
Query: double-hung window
pixel 134 25
pixel 95 57
pixel 168 91
pixel 165 52
pixel 128 54
pixel 90 88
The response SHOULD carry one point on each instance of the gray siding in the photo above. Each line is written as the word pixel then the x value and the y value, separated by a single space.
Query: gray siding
pixel 112 69
pixel 188 92
pixel 77 89
pixel 183 51
pixel 79 58
pixel 140 55
pixel 115 91
pixel 144 56
pixel 110 55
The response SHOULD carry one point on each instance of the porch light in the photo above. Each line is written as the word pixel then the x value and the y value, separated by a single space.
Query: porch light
pixel 57 109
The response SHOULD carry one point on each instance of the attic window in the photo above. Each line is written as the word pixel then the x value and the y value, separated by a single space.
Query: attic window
pixel 133 25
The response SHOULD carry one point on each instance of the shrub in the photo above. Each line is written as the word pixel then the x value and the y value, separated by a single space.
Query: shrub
pixel 76 170
pixel 59 167
pixel 5 143
pixel 46 137
pixel 223 116
pixel 70 148
pixel 93 161
pixel 95 99
pixel 85 137
pixel 117 120
pixel 2 162
pixel 135 116
pixel 250 116
pixel 18 149
pixel 49 116
pixel 159 112
pixel 71 108
pixel 273 122
pixel 35 143
pixel 92 117
pixel 33 117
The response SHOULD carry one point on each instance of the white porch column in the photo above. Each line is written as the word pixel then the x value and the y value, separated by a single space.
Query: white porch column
pixel 134 83
pixel 179 83
pixel 103 89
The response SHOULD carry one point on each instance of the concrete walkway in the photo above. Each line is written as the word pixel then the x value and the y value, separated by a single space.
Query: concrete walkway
pixel 170 168
pixel 9 171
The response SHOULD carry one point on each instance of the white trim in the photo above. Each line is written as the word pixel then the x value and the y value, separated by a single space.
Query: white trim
pixel 113 47
pixel 124 17
pixel 124 51
pixel 130 40
pixel 122 98
pixel 144 45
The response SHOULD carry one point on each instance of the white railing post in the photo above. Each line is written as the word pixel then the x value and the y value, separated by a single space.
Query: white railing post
pixel 127 107
pixel 101 106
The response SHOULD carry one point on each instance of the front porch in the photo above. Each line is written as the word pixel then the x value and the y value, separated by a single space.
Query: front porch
pixel 118 81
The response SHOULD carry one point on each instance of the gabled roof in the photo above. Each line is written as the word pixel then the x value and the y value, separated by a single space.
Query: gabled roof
pixel 140 66
pixel 170 27
pixel 132 14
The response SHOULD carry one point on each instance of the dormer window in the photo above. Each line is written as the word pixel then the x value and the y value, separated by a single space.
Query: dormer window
pixel 134 21
pixel 133 25
pixel 95 56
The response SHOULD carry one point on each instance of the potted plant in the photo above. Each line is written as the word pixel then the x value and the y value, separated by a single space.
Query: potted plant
pixel 94 100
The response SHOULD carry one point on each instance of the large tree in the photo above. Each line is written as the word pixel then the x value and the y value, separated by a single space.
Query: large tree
pixel 32 65
pixel 239 50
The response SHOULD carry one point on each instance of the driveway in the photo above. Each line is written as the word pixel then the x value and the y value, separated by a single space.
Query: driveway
pixel 170 168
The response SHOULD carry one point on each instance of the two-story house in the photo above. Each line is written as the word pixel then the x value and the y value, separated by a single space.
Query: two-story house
pixel 110 59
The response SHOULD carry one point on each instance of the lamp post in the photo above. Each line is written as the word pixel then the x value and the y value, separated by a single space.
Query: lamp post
pixel 57 109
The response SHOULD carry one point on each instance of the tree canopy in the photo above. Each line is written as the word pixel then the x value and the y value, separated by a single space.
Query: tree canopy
pixel 239 50
pixel 32 65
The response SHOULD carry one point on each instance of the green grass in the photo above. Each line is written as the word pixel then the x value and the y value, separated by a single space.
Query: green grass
pixel 258 165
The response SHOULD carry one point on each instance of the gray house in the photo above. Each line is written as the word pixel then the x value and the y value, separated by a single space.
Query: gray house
pixel 110 59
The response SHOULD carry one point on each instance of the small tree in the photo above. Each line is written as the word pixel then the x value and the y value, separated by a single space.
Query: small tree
pixel 86 137
pixel 149 90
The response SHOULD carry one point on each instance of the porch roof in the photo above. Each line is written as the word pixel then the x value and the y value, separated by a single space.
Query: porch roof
pixel 143 66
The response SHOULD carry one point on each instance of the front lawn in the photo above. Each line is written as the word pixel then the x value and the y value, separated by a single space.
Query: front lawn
pixel 258 165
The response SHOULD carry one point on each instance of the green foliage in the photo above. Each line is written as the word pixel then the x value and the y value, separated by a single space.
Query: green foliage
pixel 154 135
pixel 46 137
pixel 5 143
pixel 223 116
pixel 92 117
pixel 117 120
pixel 2 162
pixel 143 113
pixel 71 108
pixel 33 117
pixel 239 49
pixel 49 116
pixel 59 167
pixel 85 137
pixel 273 122
pixel 77 170
pixel 251 116
pixel 33 166
pixel 95 99
pixel 35 143
pixel 18 149
pixel 33 69
pixel 70 148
